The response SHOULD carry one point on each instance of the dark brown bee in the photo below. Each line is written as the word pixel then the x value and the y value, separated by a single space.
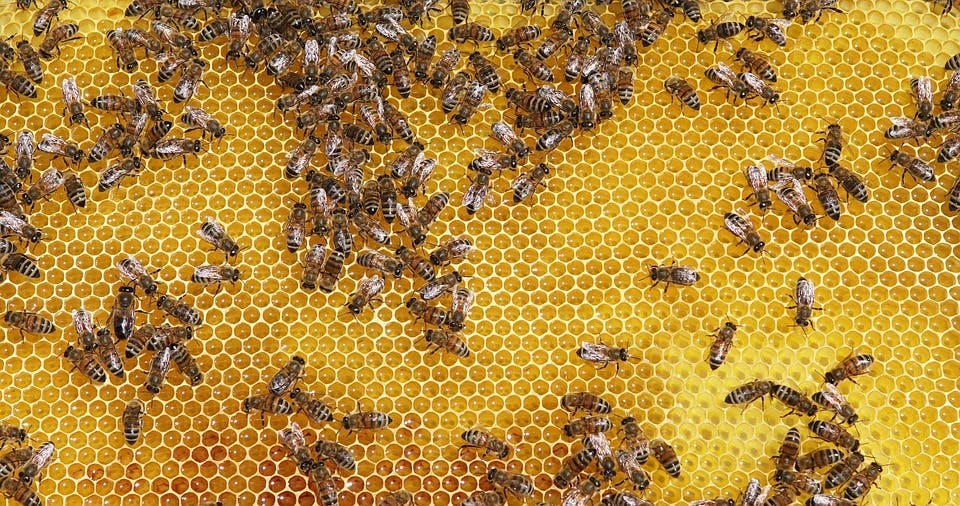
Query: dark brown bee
pixel 398 122
pixel 73 106
pixel 330 273
pixel 50 45
pixel 446 341
pixel 749 392
pixel 164 336
pixel 295 228
pixel 423 56
pixel 718 32
pixel 86 363
pixel 50 181
pixel 12 433
pixel 906 128
pixel 584 401
pixel 722 343
pixel 11 224
pixel 115 103
pixel 17 83
pixel 41 458
pixel 241 28
pixel 452 249
pixel 108 354
pixel 431 315
pixel 813 9
pixel 486 73
pixel 401 73
pixel 568 9
pixel 444 66
pixel 517 484
pixel 760 88
pixel 827 195
pixel 673 274
pixel 850 182
pixel 365 420
pixel 190 80
pixel 666 456
pixel 370 197
pixel 264 49
pixel 592 23
pixel 770 28
pixel 574 466
pixel 691 9
pixel 740 225
pixel 862 481
pixel 537 121
pixel 525 185
pixel 460 9
pixel 800 481
pixel 214 233
pixel 533 67
pixel 114 174
pixel 153 135
pixel 198 119
pixel 791 8
pixel 45 17
pixel 954 196
pixel 169 34
pixel 818 458
pixel 7 53
pixel 427 216
pixel 785 172
pixel 311 406
pixel 951 93
pixel 630 466
pixel 603 354
pixel 473 32
pixel 152 44
pixel 528 101
pixel 300 157
pixel 795 400
pixel 757 63
pixel 792 196
pixel 473 95
pixel 829 500
pixel 636 13
pixel 179 310
pixel 288 376
pixel 852 365
pixel 106 143
pixel 379 56
pixel 374 118
pixel 378 261
pixel 327 489
pixel 438 286
pixel 13 460
pixel 950 148
pixel 757 180
pixel 30 60
pixel 418 265
pixel 342 237
pixel 922 90
pixel 31 323
pixel 789 452
pixel 124 311
pixel 624 85
pixel 86 335
pixel 214 29
pixel 284 58
pixel 337 453
pixel 399 498
pixel 803 298
pixel 312 266
pixel 132 421
pixel 587 425
pixel 267 404
pixel 18 490
pixel 8 199
pixel 724 77
pixel 517 36
pixel 656 26
pixel 486 442
pixel 553 43
pixel 842 471
pixel 215 275
pixel 366 294
pixel 917 168
pixel 186 364
pixel 358 134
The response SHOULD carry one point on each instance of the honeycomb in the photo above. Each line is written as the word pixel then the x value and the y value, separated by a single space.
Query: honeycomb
pixel 649 186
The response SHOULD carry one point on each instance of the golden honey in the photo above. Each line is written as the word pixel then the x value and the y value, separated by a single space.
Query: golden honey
pixel 649 186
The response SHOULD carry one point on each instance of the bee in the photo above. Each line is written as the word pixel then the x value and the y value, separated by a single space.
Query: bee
pixel 418 265
pixel 802 482
pixel 757 63
pixel 691 9
pixel 51 43
pixel 630 466
pixel 842 471
pixel 57 146
pixel 86 363
pixel 460 305
pixel 300 157
pixel 370 197
pixel 431 315
pixel 398 122
pixel 529 101
pixel 829 500
pixel 284 57
pixel 152 44
pixel 673 274
pixel 473 32
pixel 795 400
pixel 917 168
pixel 950 149
pixel 367 291
pixel 50 181
pixel 358 134
pixel 423 56
pixel 525 185
pixel 45 17
pixel 718 32
pixel 576 58
pixel 190 80
pixel 656 26
pixel 568 9
pixel 602 355
pixel 439 286
pixel 215 274
pixel 587 425
pixel 625 85
pixel 198 119
pixel 753 495
pixel 951 94
pixel 427 216
pixel 517 36
pixel 11 224
pixel 852 365
pixel 106 143
pixel 365 420
pixel 131 133
pixel 31 323
pixel 444 66
pixel 292 438
pixel 582 494
pixel 954 196
pixel 374 118
pixel 241 28
pixel 20 491
pixel 214 233
pixel 793 197
pixel 723 342
pixel 264 49
pixel 124 311
pixel 323 481
pixel 831 399
pixel 342 237
pixel 215 29
pixel 13 460
pixel 786 459
pixel 295 228
pixel 114 174
pixel 132 421
pixel 473 95
pixel 179 310
pixel 533 67
pixel 862 481
pixel 447 341
pixel 906 128
pixel 724 77
pixel 505 135
pixel 803 299
pixel 401 73
pixel 370 228
pixel 850 182
pixel 757 180
pixel 148 144
pixel 485 441
pixel 25 149
pixel 574 466
pixel 810 9
pixel 164 336
pixel 311 406
pixel 378 261
pixel 781 495
pixel 17 83
pixel 115 103
pixel 488 161
pixel 623 499
pixel 680 88
pixel 73 107
pixel 132 269
pixel 749 392
pixel 634 439
pixel 514 483
pixel 287 376
pixel 339 454
pixel 12 433
pixel 21 263
pixel 760 88
pixel 818 458
pixel 484 498
pixel 666 456
pixel 331 271
pixel 312 266
pixel 266 404
pixel 592 23
pixel 770 28
pixel 741 226
pixel 108 354
pixel 922 91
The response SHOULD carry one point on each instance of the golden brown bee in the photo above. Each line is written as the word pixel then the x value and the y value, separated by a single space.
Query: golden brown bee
pixel 214 29
pixel 517 36
pixel 473 32
pixel 827 195
pixel 760 88
pixel 799 481
pixel 295 228
pixel 630 466
pixel 365 420
pixel 813 9
pixel 485 498
pixel 190 80
pixel 951 93
pixel 950 148
pixel 86 363
pixel 514 483
pixel 431 315
pixel 294 440
pixel 795 400
pixel 132 421
pixel 13 460
pixel 17 83
pixel 568 9
pixel 486 442
pixel 370 197
pixel 165 336
pixel 312 266
pixel 954 196
pixel 159 367
pixel 138 341
pixel 108 354
pixel 574 466
pixel 673 274
pixel 591 22
pixel 473 95
pixel 115 103
pixel 446 341
pixel 724 77
pixel 153 135
pixel 850 182
pixel 241 28
pixel 917 168
pixel 358 134
pixel 722 343
pixel 266 404
pixel 399 498
pixel 525 185
pixel 401 73
pixel 124 312
pixel 20 491
pixel 21 263
pixel 852 365
pixel 31 323
pixel 625 85
pixel 287 376
pixel 326 488
pixel 314 408
pixel 841 472
pixel 12 433
pixel 718 32
pixel 214 233
pixel 757 63
pixel 749 392
pixel 215 275
pixel 56 146
pixel 790 192
pixel 169 34
pixel 906 128
pixel 603 355
pixel 337 453
pixel 378 261
pixel 460 305
pixel 789 452
pixel 198 119
pixel 179 310
pixel 114 174
pixel 803 298
pixel 862 481
pixel 106 144
pixel 831 399
pixel 423 56
pixel 444 66
pixel 73 107
pixel 51 43
pixel 922 90
pixel 770 28
pixel 634 439
pixel 398 122
pixel 657 25
pixel 757 180
pixel 587 425
pixel 50 181
pixel 553 43
pixel 418 265
pixel 532 66
pixel 366 294
pixel 741 226
pixel 666 456
pixel 284 57
pixel 265 48
pixel 439 286
pixel 44 19
pixel 818 458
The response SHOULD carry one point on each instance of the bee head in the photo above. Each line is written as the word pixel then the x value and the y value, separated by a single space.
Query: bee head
pixel 757 248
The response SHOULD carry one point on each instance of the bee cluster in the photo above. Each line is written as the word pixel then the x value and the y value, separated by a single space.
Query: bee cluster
pixel 795 473
pixel 20 466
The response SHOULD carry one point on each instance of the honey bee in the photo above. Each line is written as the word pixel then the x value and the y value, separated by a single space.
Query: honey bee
pixel 337 453
pixel 300 157
pixel 533 67
pixel 373 117
pixel 108 354
pixel 370 197
pixel 132 269
pixel 153 135
pixel 741 226
pixel 757 180
pixel 124 312
pixel 831 399
pixel 473 32
pixel 842 471
pixel 25 149
pixel 241 28
pixel 852 365
pixel 574 466
pixel 795 400
pixel 514 483
pixel 803 299
pixel 401 73
pixel 447 341
pixel 214 233
pixel 312 265
pixel 215 274
pixel 265 48
pixel 487 161
pixel 460 305
pixel 517 36
pixel 431 315
pixel 370 228
pixel 529 101
pixel 427 216
pixel 86 363
pixel 793 197
pixel 829 500
pixel 630 466
pixel 439 286
pixel 11 224
pixel 418 265
pixel 673 274
pixel 719 32
pixel 367 291
pixel 20 491
pixel 950 149
pixel 634 440
pixel 342 237
pixel 12 433
pixel 749 392
pixel 190 80
pixel 917 168
pixel 54 145
pixel 818 458
pixel 770 28
pixel 587 425
pixel 525 185
pixel 444 66
pixel 311 406
pixel 800 481
pixel 473 95
pixel 625 85
pixel 850 182
pixel 577 57
pixel 754 495
pixel 485 498
pixel 582 494
pixel 186 364
pixel 331 271
pixel 163 336
pixel 50 181
pixel 656 26
pixel 954 196
pixel 951 93
pixel 623 499
pixel 813 9
pixel 44 19
pixel 723 342
pixel 724 77
pixel 13 460
pixel 862 481
pixel 115 103
pixel 287 376
pixel 378 261
pixel 266 404
pixel 423 56
pixel 906 128
pixel 114 174
pixel 179 310
pixel 51 43
pixel 760 88
pixel 18 262
pixel 923 93
pixel 504 134
pixel 786 459
pixel 827 195
pixel 757 63
pixel 295 228
pixel 365 420
pixel 198 119
pixel 29 322
pixel 293 439
pixel 398 122
pixel 485 441
pixel 666 456
pixel 106 143
pixel 17 83
pixel 151 44
pixel 73 107
pixel 132 421
pixel 602 355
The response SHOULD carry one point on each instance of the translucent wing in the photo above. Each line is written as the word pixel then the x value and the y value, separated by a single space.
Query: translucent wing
pixel 594 352
pixel 755 84
pixel 213 232
pixel 725 72
pixel 315 255
pixel 371 286
pixel 503 133
pixel 71 93
pixel 212 272
pixel 131 268
pixel 11 222
pixel 50 143
pixel 82 321
pixel 293 437
pixel 804 292
pixel 25 145
pixel 756 177
pixel 783 23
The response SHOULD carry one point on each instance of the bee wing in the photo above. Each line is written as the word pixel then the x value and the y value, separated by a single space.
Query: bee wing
pixel 755 84
pixel 44 455
pixel 371 286
pixel 922 89
pixel 833 395
pixel 161 361
pixel 594 352
pixel 11 222
pixel 954 80
pixel 600 443
pixel 51 143
pixel 51 178
pixel 315 255
pixel 551 94
pixel 131 268
pixel 367 67
pixel 82 321
pixel 521 180
pixel 71 94
pixel 756 177
pixel 783 23
pixel 503 133
pixel 622 33
pixel 780 162
pixel 25 144
pixel 587 98
pixel 904 122
pixel 737 227
pixel 215 233
pixel 208 272
pixel 804 292
pixel 627 460
pixel 725 72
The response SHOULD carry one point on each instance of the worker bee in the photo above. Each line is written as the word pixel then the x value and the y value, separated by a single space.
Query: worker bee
pixel 793 197
pixel 529 101
pixel 367 291
pixel 602 355
pixel 331 271
pixel 401 73
pixel 25 150
pixel 954 196
pixel 312 265
pixel 11 224
pixel 29 322
pixel 108 354
pixel 593 24
pixel 287 376
pixel 862 481
pixel 753 494
pixel 666 456
pixel 484 498
pixel 829 500
pixel 13 460
pixel 718 32
pixel 342 238
pixel 20 491
pixel 439 286
pixel 951 94
pixel 17 83
pixel 284 57
pixel 827 195
pixel 906 128
pixel 473 95
pixel 800 481
pixel 115 103
pixel 574 466
pixel 46 15
pixel 365 420
pixel 76 192
pixel 912 165
pixel 485 441
pixel 822 457
pixel 842 471
pixel 124 312
pixel 169 35
pixel 124 49
pixel 724 77
pixel 760 88
pixel 293 439
pixel 179 310
pixel 447 341
pixel 266 404
pixel 723 342
pixel 265 48
pixel 740 225
pixel 370 197
pixel 950 148
pixel 153 135
pixel 625 85
pixel 582 494
pixel 50 181
pixel 295 228
pixel 749 392
pixel 533 67
pixel 54 145
pixel 214 233
pixel 423 56
pixel 517 484
pixel 656 26
pixel 505 135
pixel 21 263
pixel 517 36
pixel 12 433
pixel 568 9
pixel 132 269
pixel 578 55
pixel 525 185
pixel 370 228
pixel 431 315
pixel 795 400
pixel 378 261
pixel 803 299
pixel 311 406
pixel 757 180
pixel 388 197
pixel 215 274
pixel 162 337
pixel 634 440
pixel 587 425
pixel 850 182
pixel 444 66
pixel 770 28
pixel 86 363
pixel 630 466
pixel 106 143
pixel 623 499
pixel 73 107
pixel 460 305
pixel 398 122
pixel 339 454
pixel 132 421
pixel 418 265
pixel 51 43
pixel 757 63
pixel 789 452
pixel 427 215
pixel 241 28
pixel 300 156
pixel 114 174
pixel 198 119
pixel 813 9
pixel 673 274
pixel 831 399
pixel 473 32
pixel 852 365
pixel 190 80
pixel 922 91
